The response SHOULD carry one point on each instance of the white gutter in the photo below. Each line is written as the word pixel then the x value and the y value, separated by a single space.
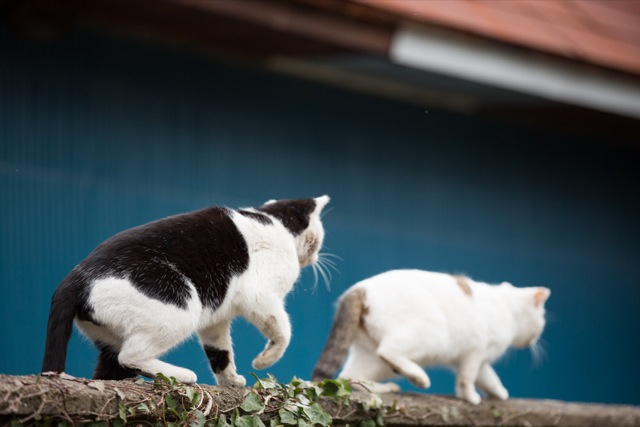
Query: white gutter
pixel 519 70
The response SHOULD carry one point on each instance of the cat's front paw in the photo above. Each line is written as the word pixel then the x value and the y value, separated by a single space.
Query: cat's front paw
pixel 263 361
pixel 183 375
pixel 500 393
pixel 472 397
pixel 421 381
pixel 269 356
pixel 233 380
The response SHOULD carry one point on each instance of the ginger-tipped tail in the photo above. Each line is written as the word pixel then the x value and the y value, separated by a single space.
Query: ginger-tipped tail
pixel 343 331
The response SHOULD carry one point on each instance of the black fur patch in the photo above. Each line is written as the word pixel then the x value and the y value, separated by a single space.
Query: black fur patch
pixel 67 302
pixel 219 359
pixel 108 367
pixel 204 247
pixel 261 218
pixel 294 214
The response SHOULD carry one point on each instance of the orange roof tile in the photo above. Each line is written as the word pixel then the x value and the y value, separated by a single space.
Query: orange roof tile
pixel 601 32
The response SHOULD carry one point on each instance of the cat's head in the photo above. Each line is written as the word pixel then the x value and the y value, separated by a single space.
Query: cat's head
pixel 302 218
pixel 529 304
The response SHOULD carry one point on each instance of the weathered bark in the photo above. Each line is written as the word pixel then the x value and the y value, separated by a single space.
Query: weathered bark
pixel 76 400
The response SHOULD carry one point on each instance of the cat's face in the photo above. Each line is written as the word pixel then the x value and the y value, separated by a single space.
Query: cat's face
pixel 532 320
pixel 302 219
pixel 309 242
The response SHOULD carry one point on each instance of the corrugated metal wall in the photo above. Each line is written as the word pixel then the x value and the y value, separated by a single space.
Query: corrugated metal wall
pixel 97 135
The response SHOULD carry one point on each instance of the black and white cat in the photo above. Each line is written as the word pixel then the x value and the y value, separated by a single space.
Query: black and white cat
pixel 399 321
pixel 147 289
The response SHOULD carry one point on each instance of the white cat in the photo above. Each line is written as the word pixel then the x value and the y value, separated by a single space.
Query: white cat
pixel 399 321
pixel 147 289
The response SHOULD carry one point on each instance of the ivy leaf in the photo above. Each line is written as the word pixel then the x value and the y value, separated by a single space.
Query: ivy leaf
pixel 222 421
pixel 338 389
pixel 257 422
pixel 252 403
pixel 379 420
pixel 287 417
pixel 189 392
pixel 245 421
pixel 143 407
pixel 120 394
pixel 197 397
pixel 171 401
pixel 122 411
pixel 201 419
pixel 317 415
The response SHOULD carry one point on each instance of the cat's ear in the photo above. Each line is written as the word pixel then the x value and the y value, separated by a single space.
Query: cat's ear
pixel 321 202
pixel 540 296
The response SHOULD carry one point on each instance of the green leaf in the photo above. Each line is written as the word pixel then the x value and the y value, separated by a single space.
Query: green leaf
pixel 287 417
pixel 317 415
pixel 189 392
pixel 257 422
pixel 303 423
pixel 160 378
pixel 245 421
pixel 122 411
pixel 222 421
pixel 139 381
pixel 252 403
pixel 197 397
pixel 368 423
pixel 120 394
pixel 118 422
pixel 338 389
pixel 143 408
pixel 379 419
pixel 275 422
pixel 201 419
pixel 171 401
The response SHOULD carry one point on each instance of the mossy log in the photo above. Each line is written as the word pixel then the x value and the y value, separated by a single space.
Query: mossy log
pixel 38 399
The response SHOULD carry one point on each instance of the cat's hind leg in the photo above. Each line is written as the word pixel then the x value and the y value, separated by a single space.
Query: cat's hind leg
pixel 489 382
pixel 216 341
pixel 140 353
pixel 365 368
pixel 468 369
pixel 403 366
pixel 108 367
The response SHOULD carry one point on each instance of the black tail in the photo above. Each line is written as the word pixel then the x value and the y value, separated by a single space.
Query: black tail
pixel 64 306
pixel 345 326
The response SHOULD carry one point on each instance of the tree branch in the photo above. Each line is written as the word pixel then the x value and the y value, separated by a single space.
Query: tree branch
pixel 28 399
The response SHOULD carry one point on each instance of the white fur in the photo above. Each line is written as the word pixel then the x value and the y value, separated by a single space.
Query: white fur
pixel 142 328
pixel 416 318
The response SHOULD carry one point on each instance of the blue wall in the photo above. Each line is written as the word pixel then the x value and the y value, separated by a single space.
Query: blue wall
pixel 99 134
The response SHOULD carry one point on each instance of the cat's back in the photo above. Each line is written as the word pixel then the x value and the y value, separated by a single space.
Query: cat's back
pixel 164 258
pixel 421 298
pixel 408 285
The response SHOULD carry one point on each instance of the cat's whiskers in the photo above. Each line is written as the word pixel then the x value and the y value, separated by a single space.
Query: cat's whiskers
pixel 538 352
pixel 325 211
pixel 322 268
pixel 314 268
